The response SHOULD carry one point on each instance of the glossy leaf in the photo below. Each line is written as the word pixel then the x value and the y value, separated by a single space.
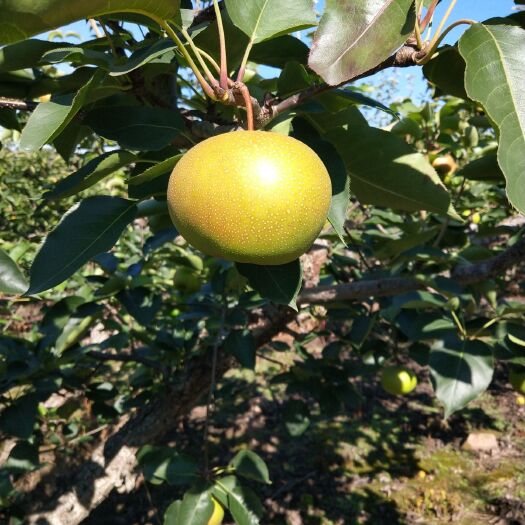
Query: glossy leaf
pixel 385 171
pixel 89 228
pixel 138 127
pixel 50 118
pixel 336 169
pixel 461 370
pixel 94 171
pixel 446 71
pixel 163 167
pixel 143 56
pixel 241 501
pixel 495 76
pixel 279 283
pixel 196 508
pixel 12 280
pixel 354 37
pixel 262 19
pixel 250 466
pixel 24 18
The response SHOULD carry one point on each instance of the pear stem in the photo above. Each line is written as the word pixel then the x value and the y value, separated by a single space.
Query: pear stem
pixel 245 92
pixel 223 80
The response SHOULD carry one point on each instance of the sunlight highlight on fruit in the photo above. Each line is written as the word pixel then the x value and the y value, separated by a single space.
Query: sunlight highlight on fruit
pixel 398 380
pixel 250 196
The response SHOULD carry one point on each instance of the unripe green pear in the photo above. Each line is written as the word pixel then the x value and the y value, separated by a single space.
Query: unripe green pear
pixel 250 196
pixel 398 380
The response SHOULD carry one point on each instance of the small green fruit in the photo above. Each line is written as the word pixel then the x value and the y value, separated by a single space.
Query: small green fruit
pixel 186 281
pixel 517 380
pixel 218 513
pixel 398 380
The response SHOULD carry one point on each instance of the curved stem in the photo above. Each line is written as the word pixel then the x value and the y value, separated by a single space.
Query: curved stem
pixel 196 51
pixel 439 38
pixel 242 69
pixel 417 27
pixel 444 20
pixel 223 81
pixel 248 103
pixel 169 31
pixel 210 59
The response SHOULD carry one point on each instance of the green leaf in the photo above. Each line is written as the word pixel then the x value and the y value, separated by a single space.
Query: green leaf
pixel 278 283
pixel 461 370
pixel 385 171
pixel 486 169
pixel 172 514
pixel 250 466
pixel 166 464
pixel 26 54
pixel 143 56
pixel 446 71
pixel 19 418
pixel 495 76
pixel 196 507
pixel 12 280
pixel 80 56
pixel 50 118
pixel 353 37
pixel 241 345
pixel 24 18
pixel 277 51
pixel 262 19
pixel 22 458
pixel 91 173
pixel 242 503
pixel 136 127
pixel 306 133
pixel 296 417
pixel 91 227
pixel 161 168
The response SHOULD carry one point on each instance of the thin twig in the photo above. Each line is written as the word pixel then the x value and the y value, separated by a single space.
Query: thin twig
pixel 96 30
pixel 211 392
pixel 223 80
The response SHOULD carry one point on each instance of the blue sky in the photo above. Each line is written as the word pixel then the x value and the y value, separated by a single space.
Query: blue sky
pixel 409 82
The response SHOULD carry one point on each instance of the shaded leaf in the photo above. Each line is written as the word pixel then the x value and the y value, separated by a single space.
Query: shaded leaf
pixel 461 370
pixel 296 417
pixel 89 228
pixel 241 345
pixel 278 283
pixel 385 171
pixel 22 458
pixel 23 19
pixel 26 54
pixel 136 127
pixel 446 71
pixel 495 76
pixel 19 418
pixel 12 280
pixel 304 132
pixel 91 173
pixel 251 466
pixel 143 56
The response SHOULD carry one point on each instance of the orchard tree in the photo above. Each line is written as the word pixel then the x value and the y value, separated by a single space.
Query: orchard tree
pixel 214 203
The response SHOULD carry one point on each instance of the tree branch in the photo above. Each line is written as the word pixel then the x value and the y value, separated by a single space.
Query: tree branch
pixel 22 105
pixel 465 274
pixel 406 56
